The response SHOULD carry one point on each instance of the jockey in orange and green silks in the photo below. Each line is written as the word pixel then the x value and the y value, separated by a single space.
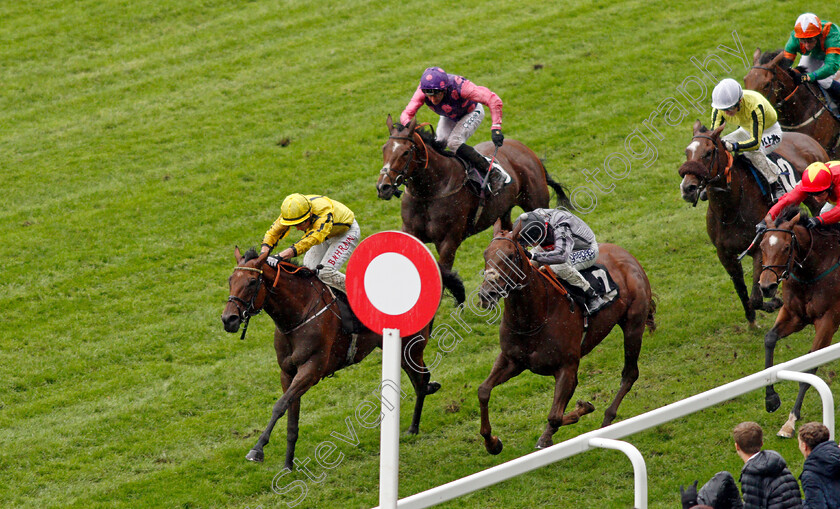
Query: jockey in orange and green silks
pixel 819 44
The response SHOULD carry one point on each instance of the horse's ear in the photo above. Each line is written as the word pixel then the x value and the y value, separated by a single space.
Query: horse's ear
pixel 497 227
pixel 411 125
pixel 517 227
pixel 777 59
pixel 716 132
pixel 237 254
pixel 261 258
pixel 389 122
pixel 795 219
pixel 756 56
pixel 697 126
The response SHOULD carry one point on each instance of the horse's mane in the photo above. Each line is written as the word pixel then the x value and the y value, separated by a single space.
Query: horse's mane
pixel 298 270
pixel 789 213
pixel 768 56
pixel 429 139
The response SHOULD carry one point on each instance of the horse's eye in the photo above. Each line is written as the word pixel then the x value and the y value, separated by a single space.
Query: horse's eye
pixel 252 283
pixel 707 155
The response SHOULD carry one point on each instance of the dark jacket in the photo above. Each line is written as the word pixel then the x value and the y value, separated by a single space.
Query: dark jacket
pixel 821 477
pixel 767 483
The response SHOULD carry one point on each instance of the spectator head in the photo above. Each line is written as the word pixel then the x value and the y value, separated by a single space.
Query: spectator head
pixel 812 435
pixel 748 437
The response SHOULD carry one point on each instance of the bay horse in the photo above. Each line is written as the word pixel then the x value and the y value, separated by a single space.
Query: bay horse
pixel 806 260
pixel 736 203
pixel 540 330
pixel 438 207
pixel 799 106
pixel 308 337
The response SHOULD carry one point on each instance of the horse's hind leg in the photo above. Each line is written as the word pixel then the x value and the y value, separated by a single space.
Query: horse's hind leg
pixel 503 370
pixel 302 381
pixel 786 324
pixel 633 333
pixel 565 382
pixel 415 368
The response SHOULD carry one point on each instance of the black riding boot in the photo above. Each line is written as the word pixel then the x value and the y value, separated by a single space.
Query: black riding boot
pixel 480 163
pixel 834 93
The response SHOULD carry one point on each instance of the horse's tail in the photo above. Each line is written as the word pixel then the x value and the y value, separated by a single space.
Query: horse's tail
pixel 452 282
pixel 650 322
pixel 560 191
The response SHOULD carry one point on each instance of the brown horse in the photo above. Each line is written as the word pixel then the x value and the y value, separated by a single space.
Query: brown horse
pixel 308 337
pixel 438 207
pixel 800 107
pixel 736 203
pixel 806 260
pixel 542 332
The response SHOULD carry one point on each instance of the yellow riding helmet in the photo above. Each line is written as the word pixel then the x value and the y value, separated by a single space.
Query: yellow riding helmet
pixel 807 25
pixel 816 178
pixel 296 209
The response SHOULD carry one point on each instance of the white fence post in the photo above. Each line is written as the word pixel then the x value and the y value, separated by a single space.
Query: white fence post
pixel 389 433
pixel 639 466
pixel 821 387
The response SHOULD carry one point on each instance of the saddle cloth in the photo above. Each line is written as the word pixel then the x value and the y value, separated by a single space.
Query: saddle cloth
pixel 787 176
pixel 474 178
pixel 600 280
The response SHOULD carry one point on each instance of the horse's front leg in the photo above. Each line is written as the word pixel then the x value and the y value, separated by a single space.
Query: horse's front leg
pixel 565 382
pixel 825 327
pixel 292 421
pixel 305 378
pixel 756 297
pixel 503 370
pixel 736 274
pixel 786 324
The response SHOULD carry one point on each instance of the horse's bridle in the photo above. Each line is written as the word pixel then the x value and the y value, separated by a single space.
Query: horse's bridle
pixel 401 178
pixel 788 265
pixel 249 309
pixel 781 102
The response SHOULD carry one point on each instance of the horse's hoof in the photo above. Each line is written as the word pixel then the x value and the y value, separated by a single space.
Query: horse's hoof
pixel 255 455
pixel 772 402
pixel 785 432
pixel 412 430
pixel 495 446
pixel 584 407
pixel 543 445
pixel 432 387
pixel 753 325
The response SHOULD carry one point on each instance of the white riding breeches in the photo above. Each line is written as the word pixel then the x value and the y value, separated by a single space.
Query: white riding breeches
pixel 770 140
pixel 332 254
pixel 811 64
pixel 578 260
pixel 457 133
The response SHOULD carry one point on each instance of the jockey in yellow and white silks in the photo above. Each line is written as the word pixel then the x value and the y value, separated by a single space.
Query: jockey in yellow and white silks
pixel 331 233
pixel 758 133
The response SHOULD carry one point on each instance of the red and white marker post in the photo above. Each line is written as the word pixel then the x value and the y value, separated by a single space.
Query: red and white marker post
pixel 394 287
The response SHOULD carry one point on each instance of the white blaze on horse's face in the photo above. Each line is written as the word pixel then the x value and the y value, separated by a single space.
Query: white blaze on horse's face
pixel 691 149
pixel 396 146
pixel 773 240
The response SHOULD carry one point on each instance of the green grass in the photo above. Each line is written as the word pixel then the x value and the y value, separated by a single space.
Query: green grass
pixel 140 141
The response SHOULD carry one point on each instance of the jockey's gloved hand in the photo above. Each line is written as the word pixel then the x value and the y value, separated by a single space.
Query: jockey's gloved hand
pixel 272 260
pixel 497 136
pixel 761 227
pixel 730 146
pixel 805 77
pixel 812 222
pixel 688 496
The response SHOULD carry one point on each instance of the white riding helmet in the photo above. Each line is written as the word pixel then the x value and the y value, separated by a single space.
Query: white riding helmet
pixel 726 94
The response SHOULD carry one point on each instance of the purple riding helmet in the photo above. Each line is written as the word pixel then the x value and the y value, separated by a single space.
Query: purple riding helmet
pixel 434 78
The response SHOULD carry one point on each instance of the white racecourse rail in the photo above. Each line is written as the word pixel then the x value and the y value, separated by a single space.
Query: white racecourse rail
pixel 607 437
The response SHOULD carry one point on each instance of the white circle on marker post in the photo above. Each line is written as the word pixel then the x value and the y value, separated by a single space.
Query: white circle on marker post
pixel 392 283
